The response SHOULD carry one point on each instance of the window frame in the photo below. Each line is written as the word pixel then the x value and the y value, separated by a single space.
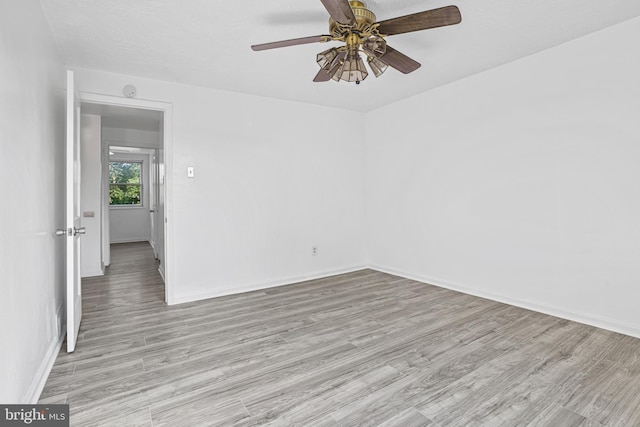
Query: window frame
pixel 140 184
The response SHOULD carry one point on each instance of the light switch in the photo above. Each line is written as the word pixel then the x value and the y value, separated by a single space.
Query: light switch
pixel 191 172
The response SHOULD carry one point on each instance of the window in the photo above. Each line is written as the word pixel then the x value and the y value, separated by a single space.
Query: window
pixel 125 183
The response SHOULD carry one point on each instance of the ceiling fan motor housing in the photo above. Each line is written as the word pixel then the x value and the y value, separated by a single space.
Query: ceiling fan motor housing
pixel 364 21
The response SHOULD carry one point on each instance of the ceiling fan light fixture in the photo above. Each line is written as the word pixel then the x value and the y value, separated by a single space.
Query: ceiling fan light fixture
pixel 325 59
pixel 375 45
pixel 353 69
pixel 357 27
pixel 377 66
pixel 336 70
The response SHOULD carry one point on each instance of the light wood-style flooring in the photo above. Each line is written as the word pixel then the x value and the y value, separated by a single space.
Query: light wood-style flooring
pixel 359 349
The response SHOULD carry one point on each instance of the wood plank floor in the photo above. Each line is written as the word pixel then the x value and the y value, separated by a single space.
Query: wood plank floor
pixel 359 349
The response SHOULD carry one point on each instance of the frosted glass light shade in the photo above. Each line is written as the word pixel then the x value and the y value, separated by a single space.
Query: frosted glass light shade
pixel 324 59
pixel 353 69
pixel 377 66
pixel 375 46
pixel 335 70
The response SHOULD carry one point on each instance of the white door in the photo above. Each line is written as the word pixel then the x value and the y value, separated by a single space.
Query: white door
pixel 72 218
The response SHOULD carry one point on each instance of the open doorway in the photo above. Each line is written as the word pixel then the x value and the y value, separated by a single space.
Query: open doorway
pixel 124 192
pixel 132 191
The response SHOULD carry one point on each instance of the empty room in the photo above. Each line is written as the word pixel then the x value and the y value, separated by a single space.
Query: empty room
pixel 320 213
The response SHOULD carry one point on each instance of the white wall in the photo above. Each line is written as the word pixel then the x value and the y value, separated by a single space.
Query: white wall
pixel 131 137
pixel 91 195
pixel 132 223
pixel 273 178
pixel 520 183
pixel 32 83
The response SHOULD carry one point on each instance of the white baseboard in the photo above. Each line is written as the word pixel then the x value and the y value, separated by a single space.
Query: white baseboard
pixel 40 379
pixel 93 273
pixel 161 271
pixel 131 240
pixel 585 318
pixel 263 285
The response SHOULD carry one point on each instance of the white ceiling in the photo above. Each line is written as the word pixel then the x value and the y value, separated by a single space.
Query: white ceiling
pixel 124 117
pixel 207 43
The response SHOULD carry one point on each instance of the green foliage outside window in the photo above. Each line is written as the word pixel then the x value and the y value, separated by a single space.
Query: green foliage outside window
pixel 125 183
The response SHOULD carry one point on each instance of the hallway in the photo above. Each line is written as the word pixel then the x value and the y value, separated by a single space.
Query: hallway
pixel 116 308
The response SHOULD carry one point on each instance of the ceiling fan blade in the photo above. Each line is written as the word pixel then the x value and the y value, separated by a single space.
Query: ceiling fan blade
pixel 291 42
pixel 340 11
pixel 399 61
pixel 449 15
pixel 322 76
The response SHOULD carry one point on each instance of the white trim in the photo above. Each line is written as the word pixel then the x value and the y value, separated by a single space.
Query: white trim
pixel 40 379
pixel 127 207
pixel 132 240
pixel 161 272
pixel 575 316
pixel 132 144
pixel 145 187
pixel 105 229
pixel 263 285
pixel 167 146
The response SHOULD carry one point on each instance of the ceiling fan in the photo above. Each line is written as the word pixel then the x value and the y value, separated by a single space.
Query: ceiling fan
pixel 352 23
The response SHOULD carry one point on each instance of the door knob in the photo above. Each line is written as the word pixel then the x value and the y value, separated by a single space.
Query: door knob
pixel 151 210
pixel 61 232
pixel 79 230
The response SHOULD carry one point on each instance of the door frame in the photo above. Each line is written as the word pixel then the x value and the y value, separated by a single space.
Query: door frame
pixel 167 146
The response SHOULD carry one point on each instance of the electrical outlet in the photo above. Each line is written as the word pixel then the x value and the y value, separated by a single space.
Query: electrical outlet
pixel 314 250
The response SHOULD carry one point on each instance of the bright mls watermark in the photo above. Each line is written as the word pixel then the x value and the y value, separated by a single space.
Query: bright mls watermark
pixel 34 415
